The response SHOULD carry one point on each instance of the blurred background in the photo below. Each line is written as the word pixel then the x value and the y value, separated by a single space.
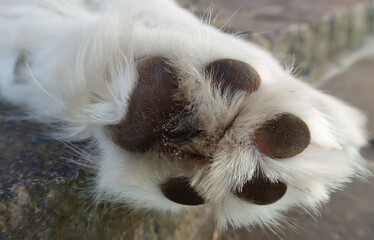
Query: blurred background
pixel 330 44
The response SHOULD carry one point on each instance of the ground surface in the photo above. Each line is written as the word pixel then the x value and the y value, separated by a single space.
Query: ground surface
pixel 267 17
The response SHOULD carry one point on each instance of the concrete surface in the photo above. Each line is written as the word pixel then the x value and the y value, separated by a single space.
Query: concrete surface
pixel 356 86
pixel 311 33
pixel 267 17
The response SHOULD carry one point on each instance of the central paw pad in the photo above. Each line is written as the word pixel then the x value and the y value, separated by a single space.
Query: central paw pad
pixel 151 110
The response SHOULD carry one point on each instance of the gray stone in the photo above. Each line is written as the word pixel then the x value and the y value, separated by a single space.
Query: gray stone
pixel 44 194
pixel 340 24
pixel 370 14
pixel 321 42
pixel 358 26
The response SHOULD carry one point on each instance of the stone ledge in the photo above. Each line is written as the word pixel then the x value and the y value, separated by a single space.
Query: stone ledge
pixel 42 194
pixel 315 46
pixel 310 33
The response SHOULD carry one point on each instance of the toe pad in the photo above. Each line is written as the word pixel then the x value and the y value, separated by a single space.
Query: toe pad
pixel 282 137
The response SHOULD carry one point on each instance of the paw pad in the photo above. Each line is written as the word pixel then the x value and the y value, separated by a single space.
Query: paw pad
pixel 153 115
pixel 233 75
pixel 180 191
pixel 261 191
pixel 151 107
pixel 282 137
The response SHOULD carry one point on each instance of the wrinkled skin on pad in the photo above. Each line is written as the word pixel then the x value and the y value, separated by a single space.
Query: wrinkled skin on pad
pixel 152 109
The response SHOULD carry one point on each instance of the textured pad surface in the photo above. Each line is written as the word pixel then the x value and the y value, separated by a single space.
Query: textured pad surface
pixel 261 191
pixel 151 107
pixel 180 191
pixel 233 75
pixel 283 137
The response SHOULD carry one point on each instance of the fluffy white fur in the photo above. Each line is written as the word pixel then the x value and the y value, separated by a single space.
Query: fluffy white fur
pixel 75 62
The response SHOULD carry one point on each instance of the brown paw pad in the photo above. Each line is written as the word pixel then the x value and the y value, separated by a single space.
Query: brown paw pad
pixel 180 191
pixel 282 137
pixel 151 107
pixel 233 75
pixel 261 191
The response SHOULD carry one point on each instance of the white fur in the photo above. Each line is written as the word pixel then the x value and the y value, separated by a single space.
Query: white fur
pixel 80 68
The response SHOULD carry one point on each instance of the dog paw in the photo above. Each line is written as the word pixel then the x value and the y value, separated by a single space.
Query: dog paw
pixel 225 135
pixel 184 116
